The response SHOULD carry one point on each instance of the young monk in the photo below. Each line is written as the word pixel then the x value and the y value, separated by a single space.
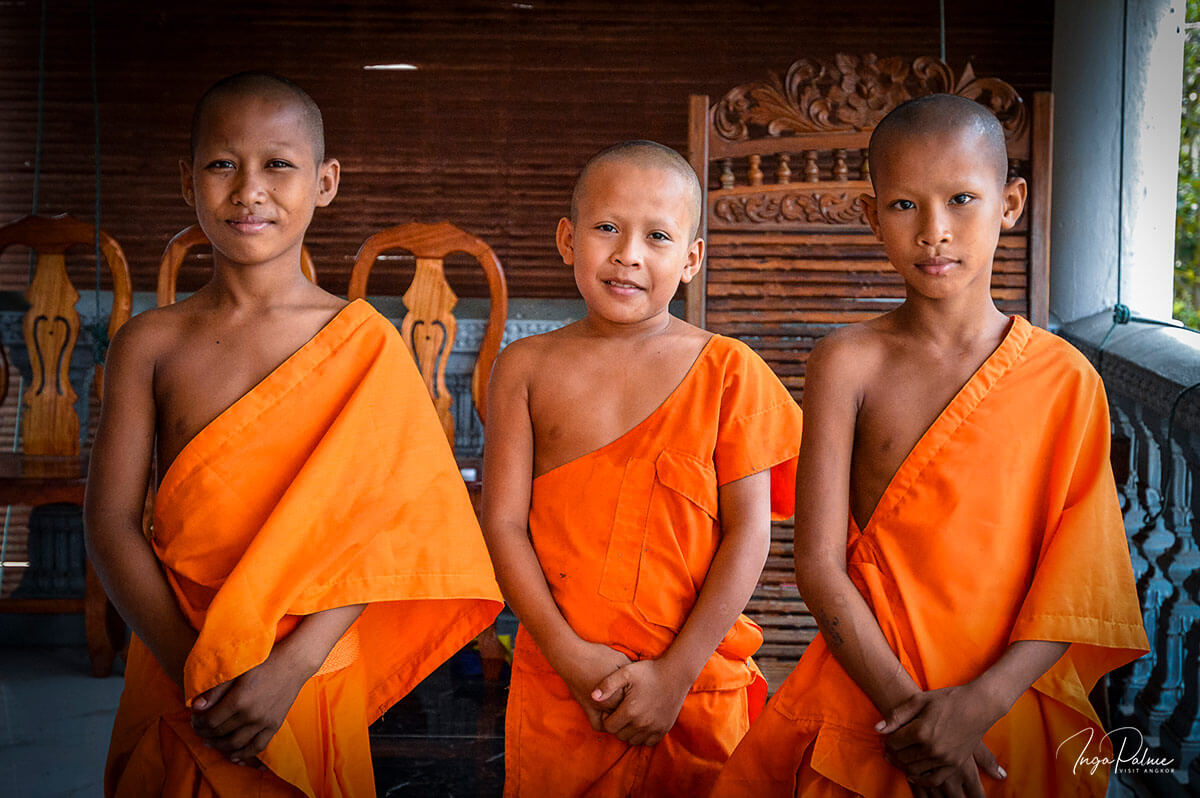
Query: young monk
pixel 628 482
pixel 314 552
pixel 985 584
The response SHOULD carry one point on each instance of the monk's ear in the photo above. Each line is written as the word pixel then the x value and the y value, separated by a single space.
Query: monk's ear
pixel 329 174
pixel 185 183
pixel 565 239
pixel 695 258
pixel 1015 192
pixel 871 213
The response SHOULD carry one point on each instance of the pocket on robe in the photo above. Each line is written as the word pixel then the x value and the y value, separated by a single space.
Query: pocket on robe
pixel 683 529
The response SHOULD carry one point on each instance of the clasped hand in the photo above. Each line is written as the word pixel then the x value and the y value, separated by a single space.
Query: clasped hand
pixel 936 738
pixel 239 717
pixel 649 697
pixel 637 702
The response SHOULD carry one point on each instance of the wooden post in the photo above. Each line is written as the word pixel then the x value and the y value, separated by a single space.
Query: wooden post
pixel 698 125
pixel 1042 164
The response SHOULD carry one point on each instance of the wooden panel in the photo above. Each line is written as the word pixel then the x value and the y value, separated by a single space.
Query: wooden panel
pixel 510 100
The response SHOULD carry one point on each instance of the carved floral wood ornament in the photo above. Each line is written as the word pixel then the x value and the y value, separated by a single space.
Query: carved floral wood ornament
pixel 852 92
pixel 800 206
pixel 825 110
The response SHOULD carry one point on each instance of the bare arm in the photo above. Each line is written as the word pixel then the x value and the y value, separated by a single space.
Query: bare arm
pixel 116 493
pixel 832 395
pixel 507 488
pixel 654 690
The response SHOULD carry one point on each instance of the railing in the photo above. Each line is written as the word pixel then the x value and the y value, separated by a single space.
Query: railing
pixel 1150 373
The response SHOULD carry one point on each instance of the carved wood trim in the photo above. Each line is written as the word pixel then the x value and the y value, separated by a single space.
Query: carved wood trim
pixel 775 207
pixel 852 93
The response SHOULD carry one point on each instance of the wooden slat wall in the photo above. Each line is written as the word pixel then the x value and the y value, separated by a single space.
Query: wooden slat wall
pixel 510 99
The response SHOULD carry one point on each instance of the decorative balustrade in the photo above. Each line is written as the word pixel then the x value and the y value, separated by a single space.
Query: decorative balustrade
pixel 1149 373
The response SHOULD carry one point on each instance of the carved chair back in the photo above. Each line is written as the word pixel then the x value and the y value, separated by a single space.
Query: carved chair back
pixel 50 425
pixel 177 249
pixel 429 327
pixel 783 163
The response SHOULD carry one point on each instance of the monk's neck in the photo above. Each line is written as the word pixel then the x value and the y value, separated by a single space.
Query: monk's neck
pixel 598 327
pixel 951 323
pixel 259 285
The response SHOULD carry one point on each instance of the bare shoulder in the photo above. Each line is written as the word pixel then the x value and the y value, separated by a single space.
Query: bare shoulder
pixel 847 357
pixel 146 336
pixel 529 355
pixel 518 362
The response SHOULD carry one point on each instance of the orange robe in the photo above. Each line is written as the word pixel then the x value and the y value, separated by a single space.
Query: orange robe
pixel 1001 525
pixel 625 536
pixel 328 484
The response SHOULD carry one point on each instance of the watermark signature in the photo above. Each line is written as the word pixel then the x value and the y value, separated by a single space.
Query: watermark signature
pixel 1127 752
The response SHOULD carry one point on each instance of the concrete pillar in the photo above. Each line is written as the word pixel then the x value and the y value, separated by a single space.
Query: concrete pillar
pixel 1113 205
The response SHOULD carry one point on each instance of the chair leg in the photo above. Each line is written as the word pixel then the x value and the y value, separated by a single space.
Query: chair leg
pixel 95 614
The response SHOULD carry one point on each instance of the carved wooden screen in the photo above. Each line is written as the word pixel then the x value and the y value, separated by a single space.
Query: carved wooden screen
pixel 790 255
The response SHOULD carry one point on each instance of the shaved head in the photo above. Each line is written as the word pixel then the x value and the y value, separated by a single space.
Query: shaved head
pixel 935 114
pixel 265 86
pixel 645 155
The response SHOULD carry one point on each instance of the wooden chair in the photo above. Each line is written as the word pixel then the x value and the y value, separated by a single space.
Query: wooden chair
pixel 429 329
pixel 790 255
pixel 177 250
pixel 50 467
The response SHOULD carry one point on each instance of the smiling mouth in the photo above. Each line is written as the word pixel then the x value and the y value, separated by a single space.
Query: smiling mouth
pixel 249 224
pixel 622 285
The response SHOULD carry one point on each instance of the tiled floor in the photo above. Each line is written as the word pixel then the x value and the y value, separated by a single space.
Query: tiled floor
pixel 55 720
pixel 445 739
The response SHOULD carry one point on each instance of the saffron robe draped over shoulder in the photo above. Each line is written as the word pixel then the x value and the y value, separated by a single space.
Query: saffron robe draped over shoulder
pixel 329 484
pixel 1001 525
pixel 625 536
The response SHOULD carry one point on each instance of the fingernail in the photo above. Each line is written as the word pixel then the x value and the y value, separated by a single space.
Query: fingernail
pixel 199 703
pixel 1003 772
pixel 879 726
pixel 596 694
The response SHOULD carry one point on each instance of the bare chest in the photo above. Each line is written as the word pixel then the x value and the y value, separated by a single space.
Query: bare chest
pixel 577 411
pixel 897 410
pixel 207 373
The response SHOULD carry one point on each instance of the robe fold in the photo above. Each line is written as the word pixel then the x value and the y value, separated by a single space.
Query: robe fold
pixel 625 536
pixel 330 483
pixel 1001 525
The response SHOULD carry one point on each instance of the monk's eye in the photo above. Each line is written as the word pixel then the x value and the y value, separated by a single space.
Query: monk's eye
pixel 279 163
pixel 903 205
pixel 659 235
pixel 605 227
pixel 961 199
pixel 219 164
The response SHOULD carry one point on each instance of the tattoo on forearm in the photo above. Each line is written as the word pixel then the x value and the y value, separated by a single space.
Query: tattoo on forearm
pixel 831 628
